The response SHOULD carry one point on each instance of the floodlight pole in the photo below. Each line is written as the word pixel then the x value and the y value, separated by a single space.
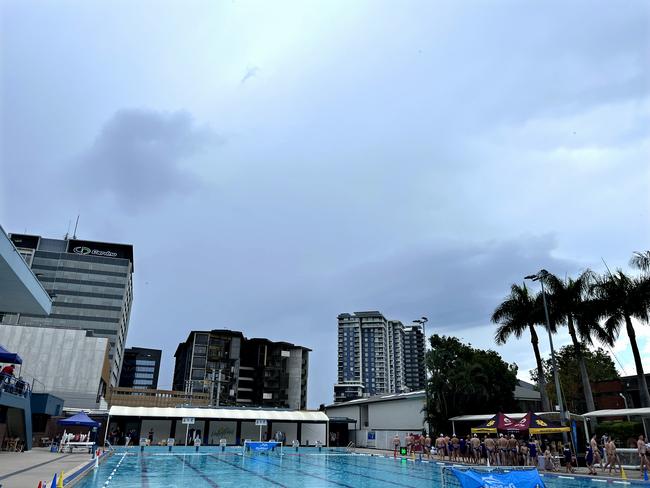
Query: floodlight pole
pixel 422 322
pixel 558 392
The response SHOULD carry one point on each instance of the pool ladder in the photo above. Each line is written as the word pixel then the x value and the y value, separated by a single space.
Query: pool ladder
pixel 350 447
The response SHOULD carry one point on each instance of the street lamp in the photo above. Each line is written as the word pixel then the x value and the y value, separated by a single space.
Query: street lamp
pixel 422 322
pixel 541 276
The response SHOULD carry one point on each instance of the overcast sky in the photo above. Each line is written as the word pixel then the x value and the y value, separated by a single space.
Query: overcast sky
pixel 277 163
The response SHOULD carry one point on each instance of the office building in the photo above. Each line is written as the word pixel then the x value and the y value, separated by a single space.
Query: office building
pixel 140 368
pixel 91 287
pixel 235 370
pixel 375 356
pixel 414 367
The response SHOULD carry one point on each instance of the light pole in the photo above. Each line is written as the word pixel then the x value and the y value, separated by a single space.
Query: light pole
pixel 422 322
pixel 540 276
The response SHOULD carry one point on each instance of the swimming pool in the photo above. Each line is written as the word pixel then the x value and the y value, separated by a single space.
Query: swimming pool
pixel 211 468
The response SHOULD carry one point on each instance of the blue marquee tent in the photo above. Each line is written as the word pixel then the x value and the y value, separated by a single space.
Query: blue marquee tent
pixel 9 357
pixel 79 419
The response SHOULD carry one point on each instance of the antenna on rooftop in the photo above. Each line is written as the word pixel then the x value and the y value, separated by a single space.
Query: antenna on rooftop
pixel 74 235
pixel 67 232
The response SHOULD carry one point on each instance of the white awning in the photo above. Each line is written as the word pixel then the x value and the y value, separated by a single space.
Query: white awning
pixel 621 412
pixel 221 413
pixel 513 416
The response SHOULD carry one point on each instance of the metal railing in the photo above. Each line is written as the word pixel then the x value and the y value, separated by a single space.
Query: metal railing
pixel 13 385
pixel 142 397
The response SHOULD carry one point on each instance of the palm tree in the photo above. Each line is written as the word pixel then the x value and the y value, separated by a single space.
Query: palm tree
pixel 570 304
pixel 641 260
pixel 520 311
pixel 620 298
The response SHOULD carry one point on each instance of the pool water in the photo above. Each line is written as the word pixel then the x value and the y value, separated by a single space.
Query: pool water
pixel 309 468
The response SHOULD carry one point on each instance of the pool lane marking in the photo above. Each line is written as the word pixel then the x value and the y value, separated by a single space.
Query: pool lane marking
pixel 311 475
pixel 144 480
pixel 110 477
pixel 389 471
pixel 396 483
pixel 210 481
pixel 265 478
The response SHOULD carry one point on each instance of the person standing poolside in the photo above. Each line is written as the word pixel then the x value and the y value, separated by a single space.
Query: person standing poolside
pixel 463 445
pixel 396 444
pixel 597 459
pixel 475 445
pixel 491 447
pixel 427 446
pixel 523 453
pixel 643 454
pixel 440 447
pixel 502 455
pixel 512 450
pixel 409 443
pixel 612 457
pixel 455 447
pixel 568 459
pixel 589 459
pixel 533 449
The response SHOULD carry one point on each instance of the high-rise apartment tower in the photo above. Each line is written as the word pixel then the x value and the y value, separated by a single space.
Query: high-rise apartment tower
pixel 372 356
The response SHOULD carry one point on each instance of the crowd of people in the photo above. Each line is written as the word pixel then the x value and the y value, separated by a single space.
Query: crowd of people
pixel 507 450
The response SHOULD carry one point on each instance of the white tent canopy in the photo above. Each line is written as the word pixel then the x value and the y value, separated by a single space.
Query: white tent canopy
pixel 621 412
pixel 220 413
pixel 513 416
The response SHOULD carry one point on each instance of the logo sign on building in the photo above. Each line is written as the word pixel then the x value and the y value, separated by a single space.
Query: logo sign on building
pixel 100 249
pixel 260 422
pixel 188 420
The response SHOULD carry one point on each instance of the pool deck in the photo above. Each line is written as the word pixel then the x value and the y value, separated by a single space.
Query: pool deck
pixel 582 472
pixel 26 469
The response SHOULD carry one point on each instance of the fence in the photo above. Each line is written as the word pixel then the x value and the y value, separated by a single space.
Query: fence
pixel 141 397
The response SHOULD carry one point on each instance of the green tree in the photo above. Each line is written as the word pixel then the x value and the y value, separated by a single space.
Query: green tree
pixel 641 260
pixel 570 304
pixel 519 312
pixel 599 366
pixel 465 380
pixel 619 298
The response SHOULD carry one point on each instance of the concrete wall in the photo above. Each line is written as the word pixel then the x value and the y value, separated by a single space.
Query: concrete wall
pixel 405 414
pixel 65 362
pixel 294 370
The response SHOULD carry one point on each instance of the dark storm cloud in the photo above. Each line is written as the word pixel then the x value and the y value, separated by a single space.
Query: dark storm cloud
pixel 141 156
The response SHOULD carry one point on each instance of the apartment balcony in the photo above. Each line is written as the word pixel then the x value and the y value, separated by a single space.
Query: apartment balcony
pixel 141 397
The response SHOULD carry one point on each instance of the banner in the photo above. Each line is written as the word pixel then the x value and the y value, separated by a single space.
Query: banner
pixel 514 479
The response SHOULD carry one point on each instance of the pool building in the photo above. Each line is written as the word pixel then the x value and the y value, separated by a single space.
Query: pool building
pixel 211 425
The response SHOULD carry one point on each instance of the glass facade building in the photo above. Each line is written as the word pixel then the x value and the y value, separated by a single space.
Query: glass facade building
pixel 91 286
pixel 140 368
pixel 372 356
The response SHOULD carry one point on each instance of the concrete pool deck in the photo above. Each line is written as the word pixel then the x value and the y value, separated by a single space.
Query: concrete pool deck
pixel 26 469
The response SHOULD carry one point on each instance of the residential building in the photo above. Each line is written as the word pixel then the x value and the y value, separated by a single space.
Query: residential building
pixel 414 366
pixel 377 356
pixel 140 368
pixel 91 287
pixel 235 370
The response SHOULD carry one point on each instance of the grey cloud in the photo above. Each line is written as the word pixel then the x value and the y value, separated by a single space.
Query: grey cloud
pixel 142 156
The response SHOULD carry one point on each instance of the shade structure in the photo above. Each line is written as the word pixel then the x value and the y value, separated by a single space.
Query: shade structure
pixel 9 357
pixel 79 419
pixel 537 425
pixel 500 422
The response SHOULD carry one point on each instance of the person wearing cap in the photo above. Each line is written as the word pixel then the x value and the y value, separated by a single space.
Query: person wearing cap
pixel 643 454
pixel 475 444
pixel 502 443
pixel 440 447
pixel 491 446
pixel 427 446
pixel 512 450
